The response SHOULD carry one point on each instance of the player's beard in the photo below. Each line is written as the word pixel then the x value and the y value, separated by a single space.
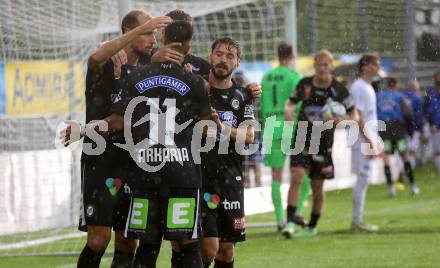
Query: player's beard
pixel 220 76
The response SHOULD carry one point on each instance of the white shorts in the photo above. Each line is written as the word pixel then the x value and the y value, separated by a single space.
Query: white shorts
pixel 360 163
pixel 435 141
pixel 414 142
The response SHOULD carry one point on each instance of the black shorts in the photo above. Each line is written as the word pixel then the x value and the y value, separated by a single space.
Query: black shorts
pixel 171 213
pixel 223 214
pixel 105 195
pixel 392 145
pixel 314 164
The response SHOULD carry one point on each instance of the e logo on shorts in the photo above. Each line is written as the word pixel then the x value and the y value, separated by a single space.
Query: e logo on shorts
pixel 139 214
pixel 180 213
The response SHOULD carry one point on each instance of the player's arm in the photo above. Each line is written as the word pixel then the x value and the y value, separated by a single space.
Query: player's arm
pixel 248 133
pixel 291 103
pixel 108 49
pixel 110 124
pixel 75 131
pixel 349 104
pixel 168 53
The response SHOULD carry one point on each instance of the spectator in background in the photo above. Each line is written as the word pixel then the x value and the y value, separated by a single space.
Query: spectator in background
pixel 432 112
pixel 415 99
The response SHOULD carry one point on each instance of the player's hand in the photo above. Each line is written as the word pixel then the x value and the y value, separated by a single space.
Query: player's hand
pixel 433 129
pixel 71 133
pixel 188 68
pixel 289 110
pixel 167 53
pixel 327 171
pixel 155 23
pixel 216 118
pixel 254 89
pixel 373 148
pixel 118 60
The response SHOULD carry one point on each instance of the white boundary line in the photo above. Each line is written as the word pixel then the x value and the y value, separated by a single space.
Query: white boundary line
pixel 40 241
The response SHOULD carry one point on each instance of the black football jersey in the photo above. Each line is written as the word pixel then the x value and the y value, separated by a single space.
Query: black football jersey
pixel 164 102
pixel 200 66
pixel 313 100
pixel 102 88
pixel 233 106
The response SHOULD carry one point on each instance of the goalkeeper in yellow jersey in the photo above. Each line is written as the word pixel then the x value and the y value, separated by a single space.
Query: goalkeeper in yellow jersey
pixel 277 85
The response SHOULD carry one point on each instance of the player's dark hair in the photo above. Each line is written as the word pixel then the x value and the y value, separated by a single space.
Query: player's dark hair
pixel 392 82
pixel 229 43
pixel 178 14
pixel 179 31
pixel 130 20
pixel 284 50
pixel 367 59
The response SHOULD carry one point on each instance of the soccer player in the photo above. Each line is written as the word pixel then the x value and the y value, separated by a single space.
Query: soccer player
pixel 432 110
pixel 362 162
pixel 223 189
pixel 104 189
pixel 413 95
pixel 166 181
pixel 314 93
pixel 396 112
pixel 277 86
pixel 193 63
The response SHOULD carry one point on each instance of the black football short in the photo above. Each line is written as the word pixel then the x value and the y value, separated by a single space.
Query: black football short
pixel 105 196
pixel 223 214
pixel 314 165
pixel 169 213
pixel 393 145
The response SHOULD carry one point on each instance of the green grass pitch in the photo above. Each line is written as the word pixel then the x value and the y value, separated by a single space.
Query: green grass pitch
pixel 409 235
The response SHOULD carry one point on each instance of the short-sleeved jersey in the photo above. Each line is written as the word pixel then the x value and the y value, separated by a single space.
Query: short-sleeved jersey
pixel 313 100
pixel 395 110
pixel 417 108
pixel 233 106
pixel 364 98
pixel 200 66
pixel 174 98
pixel 101 90
pixel 277 86
pixel 388 105
pixel 432 107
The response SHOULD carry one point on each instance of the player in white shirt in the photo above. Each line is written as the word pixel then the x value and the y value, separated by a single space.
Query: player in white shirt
pixel 366 146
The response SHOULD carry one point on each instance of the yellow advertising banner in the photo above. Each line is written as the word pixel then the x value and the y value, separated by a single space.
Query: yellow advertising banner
pixel 44 87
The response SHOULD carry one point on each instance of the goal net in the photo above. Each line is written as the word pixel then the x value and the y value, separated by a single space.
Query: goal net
pixel 44 46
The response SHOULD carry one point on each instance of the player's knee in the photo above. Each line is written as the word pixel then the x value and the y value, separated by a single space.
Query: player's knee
pixel 98 242
pixel 125 245
pixel 209 252
pixel 226 253
pixel 297 178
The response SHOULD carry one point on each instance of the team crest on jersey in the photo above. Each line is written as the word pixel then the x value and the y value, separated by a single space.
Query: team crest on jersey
pixel 228 117
pixel 235 104
pixel 89 211
pixel 162 81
